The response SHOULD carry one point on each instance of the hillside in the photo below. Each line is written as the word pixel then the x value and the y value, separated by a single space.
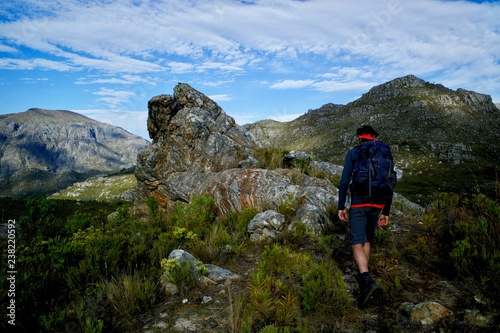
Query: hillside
pixel 223 236
pixel 45 150
pixel 443 140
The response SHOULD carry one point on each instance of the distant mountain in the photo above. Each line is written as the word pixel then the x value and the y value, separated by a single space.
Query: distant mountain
pixel 46 150
pixel 443 140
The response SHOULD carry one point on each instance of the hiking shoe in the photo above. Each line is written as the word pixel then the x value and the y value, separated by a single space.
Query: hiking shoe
pixel 368 291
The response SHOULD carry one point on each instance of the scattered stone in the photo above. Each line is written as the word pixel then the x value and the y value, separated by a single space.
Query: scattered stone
pixel 160 324
pixel 169 288
pixel 186 325
pixel 290 159
pixel 218 274
pixel 426 313
pixel 206 299
pixel 215 274
pixel 476 318
pixel 266 225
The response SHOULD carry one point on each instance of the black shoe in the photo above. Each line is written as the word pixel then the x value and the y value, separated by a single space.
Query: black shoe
pixel 368 290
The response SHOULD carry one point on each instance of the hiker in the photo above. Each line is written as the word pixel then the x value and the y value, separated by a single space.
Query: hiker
pixel 370 206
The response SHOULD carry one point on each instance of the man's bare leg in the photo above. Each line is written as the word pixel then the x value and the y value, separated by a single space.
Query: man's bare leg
pixel 361 254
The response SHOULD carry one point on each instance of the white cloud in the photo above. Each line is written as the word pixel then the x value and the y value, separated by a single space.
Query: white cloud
pixel 220 98
pixel 122 79
pixel 8 49
pixel 317 45
pixel 33 80
pixel 35 63
pixel 286 117
pixel 114 98
pixel 180 67
pixel 292 84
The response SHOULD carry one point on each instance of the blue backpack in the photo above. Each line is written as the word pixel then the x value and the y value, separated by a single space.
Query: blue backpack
pixel 374 176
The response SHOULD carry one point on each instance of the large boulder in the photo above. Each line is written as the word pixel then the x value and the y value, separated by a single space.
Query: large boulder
pixel 198 149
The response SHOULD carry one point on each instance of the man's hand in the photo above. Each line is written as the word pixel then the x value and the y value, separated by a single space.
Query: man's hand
pixel 343 215
pixel 382 220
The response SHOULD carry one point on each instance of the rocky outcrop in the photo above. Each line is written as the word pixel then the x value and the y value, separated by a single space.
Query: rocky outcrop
pixel 45 150
pixel 198 149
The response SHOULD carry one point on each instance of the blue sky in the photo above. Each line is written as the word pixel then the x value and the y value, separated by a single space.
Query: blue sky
pixel 257 59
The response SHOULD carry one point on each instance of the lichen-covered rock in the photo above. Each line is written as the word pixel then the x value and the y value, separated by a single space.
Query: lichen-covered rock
pixel 198 149
pixel 266 226
pixel 426 313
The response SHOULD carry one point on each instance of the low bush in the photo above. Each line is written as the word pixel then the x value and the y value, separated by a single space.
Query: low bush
pixel 466 231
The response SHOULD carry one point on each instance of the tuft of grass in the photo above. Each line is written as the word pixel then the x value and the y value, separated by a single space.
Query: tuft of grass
pixel 324 287
pixel 130 296
pixel 270 157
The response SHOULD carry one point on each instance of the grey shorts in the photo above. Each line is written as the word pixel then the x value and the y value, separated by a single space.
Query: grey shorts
pixel 362 224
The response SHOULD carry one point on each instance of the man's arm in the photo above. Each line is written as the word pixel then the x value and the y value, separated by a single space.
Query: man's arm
pixel 345 180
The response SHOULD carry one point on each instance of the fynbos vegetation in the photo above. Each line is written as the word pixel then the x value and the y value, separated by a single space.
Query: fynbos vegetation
pixel 95 272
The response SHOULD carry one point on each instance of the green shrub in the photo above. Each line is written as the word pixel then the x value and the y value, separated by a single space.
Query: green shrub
pixel 274 288
pixel 280 260
pixel 197 216
pixel 323 286
pixel 154 212
pixel 468 230
pixel 383 236
pixel 129 295
pixel 288 205
pixel 270 157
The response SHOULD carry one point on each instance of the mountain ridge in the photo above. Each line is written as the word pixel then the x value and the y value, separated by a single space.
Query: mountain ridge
pixel 433 130
pixel 45 150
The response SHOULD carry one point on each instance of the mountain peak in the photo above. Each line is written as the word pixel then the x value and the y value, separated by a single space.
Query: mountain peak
pixel 38 115
pixel 44 150
pixel 432 129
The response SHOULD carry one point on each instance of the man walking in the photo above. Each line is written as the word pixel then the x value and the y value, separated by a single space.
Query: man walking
pixel 369 174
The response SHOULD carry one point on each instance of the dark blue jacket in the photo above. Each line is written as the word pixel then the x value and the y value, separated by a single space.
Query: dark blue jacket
pixel 351 162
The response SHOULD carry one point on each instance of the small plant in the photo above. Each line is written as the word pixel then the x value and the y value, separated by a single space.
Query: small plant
pixel 261 296
pixel 236 320
pixel 202 269
pixel 129 295
pixel 183 236
pixel 323 286
pixel 155 215
pixel 288 205
pixel 181 273
pixel 274 287
pixel 197 216
pixel 383 236
pixel 270 158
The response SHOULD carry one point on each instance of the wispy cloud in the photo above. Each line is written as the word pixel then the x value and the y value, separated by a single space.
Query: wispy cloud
pixel 292 84
pixel 301 47
pixel 122 79
pixel 35 63
pixel 114 98
pixel 220 98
